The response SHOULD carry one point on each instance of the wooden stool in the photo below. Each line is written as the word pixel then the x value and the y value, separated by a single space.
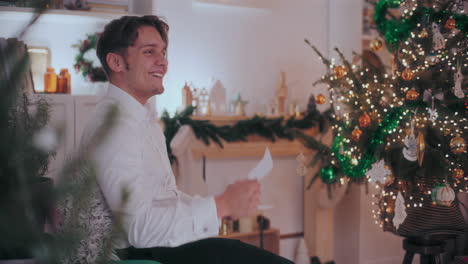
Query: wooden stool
pixel 430 250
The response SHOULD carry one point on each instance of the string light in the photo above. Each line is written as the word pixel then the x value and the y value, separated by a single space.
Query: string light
pixel 380 95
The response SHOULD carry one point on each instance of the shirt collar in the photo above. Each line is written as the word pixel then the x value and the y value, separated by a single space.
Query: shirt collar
pixel 130 104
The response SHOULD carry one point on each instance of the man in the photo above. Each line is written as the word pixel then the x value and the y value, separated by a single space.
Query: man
pixel 160 222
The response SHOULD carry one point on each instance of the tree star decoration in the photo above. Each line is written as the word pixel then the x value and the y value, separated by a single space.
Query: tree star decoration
pixel 400 211
pixel 378 172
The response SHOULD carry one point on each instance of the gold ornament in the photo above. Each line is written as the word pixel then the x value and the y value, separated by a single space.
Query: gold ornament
pixel 364 120
pixel 320 99
pixel 339 71
pixel 421 147
pixel 389 210
pixel 457 145
pixel 376 44
pixel 407 74
pixel 356 134
pixel 412 95
pixel 423 33
pixel 458 173
pixel 450 24
pixel 389 179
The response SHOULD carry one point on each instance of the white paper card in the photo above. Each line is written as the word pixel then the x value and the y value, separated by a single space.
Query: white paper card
pixel 263 167
pixel 263 207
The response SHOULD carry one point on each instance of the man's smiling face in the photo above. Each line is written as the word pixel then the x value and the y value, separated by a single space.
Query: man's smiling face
pixel 146 64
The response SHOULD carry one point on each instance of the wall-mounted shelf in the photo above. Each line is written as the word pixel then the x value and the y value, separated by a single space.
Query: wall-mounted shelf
pixel 262 4
pixel 63 16
pixel 254 147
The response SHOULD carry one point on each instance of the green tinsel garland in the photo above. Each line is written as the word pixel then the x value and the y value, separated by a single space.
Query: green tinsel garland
pixel 357 172
pixel 397 30
pixel 269 128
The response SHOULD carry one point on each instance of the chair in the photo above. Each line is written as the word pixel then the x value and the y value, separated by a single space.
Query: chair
pixel 431 245
pixel 95 221
pixel 430 250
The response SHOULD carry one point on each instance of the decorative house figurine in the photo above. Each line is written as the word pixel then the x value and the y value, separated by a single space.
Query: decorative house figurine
pixel 208 111
pixel 187 96
pixel 239 105
pixel 282 94
pixel 272 107
pixel 195 100
pixel 218 98
pixel 203 100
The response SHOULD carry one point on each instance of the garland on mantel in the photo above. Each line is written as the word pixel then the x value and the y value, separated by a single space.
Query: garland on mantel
pixel 269 128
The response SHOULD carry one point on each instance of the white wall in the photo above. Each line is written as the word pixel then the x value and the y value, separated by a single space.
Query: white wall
pixel 245 48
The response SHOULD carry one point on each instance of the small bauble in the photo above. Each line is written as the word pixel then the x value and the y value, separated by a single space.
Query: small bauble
pixel 445 195
pixel 389 210
pixel 328 174
pixel 434 193
pixel 466 105
pixel 412 95
pixel 446 131
pixel 376 45
pixel 383 101
pixel 320 99
pixel 356 134
pixel 457 173
pixel 389 179
pixel 424 33
pixel 364 120
pixel 407 74
pixel 432 59
pixel 450 24
pixel 339 71
pixel 457 145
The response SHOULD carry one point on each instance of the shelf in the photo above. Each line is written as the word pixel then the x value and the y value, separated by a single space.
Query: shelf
pixel 63 16
pixel 258 4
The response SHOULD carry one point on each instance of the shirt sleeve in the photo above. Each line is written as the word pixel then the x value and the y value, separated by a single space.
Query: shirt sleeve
pixel 153 215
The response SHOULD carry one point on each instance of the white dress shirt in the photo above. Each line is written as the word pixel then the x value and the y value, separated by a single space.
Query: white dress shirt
pixel 134 157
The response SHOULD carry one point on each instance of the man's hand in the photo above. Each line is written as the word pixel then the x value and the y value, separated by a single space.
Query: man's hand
pixel 239 199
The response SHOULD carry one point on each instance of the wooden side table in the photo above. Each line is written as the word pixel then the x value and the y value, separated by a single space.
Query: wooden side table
pixel 271 239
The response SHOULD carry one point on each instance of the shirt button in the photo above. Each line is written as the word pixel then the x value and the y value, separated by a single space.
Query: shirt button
pixel 205 229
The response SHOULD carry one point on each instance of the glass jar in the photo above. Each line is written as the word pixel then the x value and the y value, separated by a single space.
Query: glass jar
pixel 50 81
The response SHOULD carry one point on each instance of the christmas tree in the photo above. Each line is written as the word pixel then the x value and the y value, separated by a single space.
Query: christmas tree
pixel 27 198
pixel 404 128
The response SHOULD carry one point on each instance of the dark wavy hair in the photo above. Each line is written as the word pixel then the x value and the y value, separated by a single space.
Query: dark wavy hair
pixel 119 34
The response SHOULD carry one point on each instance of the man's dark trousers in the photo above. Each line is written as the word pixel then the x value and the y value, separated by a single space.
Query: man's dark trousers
pixel 206 251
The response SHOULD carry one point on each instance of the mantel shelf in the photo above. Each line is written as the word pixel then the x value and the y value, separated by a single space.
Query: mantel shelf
pixel 253 147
